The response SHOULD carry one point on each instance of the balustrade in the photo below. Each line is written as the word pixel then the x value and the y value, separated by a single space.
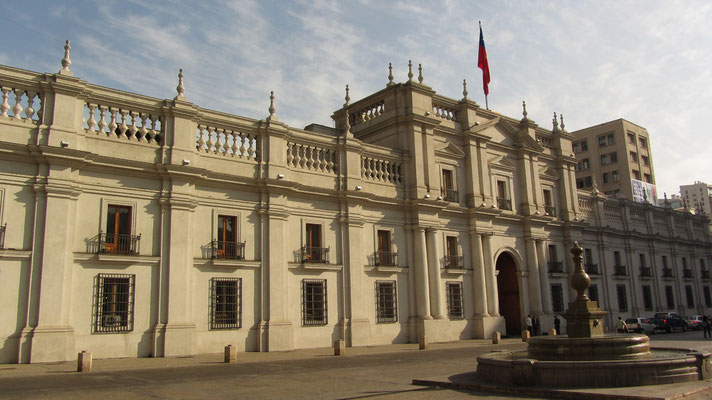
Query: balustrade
pixel 227 250
pixel 545 142
pixel 620 270
pixel 687 273
pixel 120 123
pixel 645 271
pixel 445 112
pixel 312 158
pixel 504 203
pixel 367 113
pixel 454 262
pixel 23 108
pixel 227 142
pixel 381 170
pixel 667 272
pixel 315 255
pixel 592 269
pixel 556 267
pixel 385 258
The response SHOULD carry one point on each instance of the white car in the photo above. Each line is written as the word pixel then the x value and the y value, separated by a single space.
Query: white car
pixel 640 325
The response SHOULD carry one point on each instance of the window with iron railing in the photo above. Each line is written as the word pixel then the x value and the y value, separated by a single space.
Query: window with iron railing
pixel 645 271
pixel 118 239
pixel 386 302
pixel 114 303
pixel 313 252
pixel 314 304
pixel 592 269
pixel 454 262
pixel 448 191
pixel 620 270
pixel 225 303
pixel 687 273
pixel 452 250
pixel 386 258
pixel 556 266
pixel 705 274
pixel 454 300
pixel 450 195
pixel 667 272
pixel 503 199
pixel 227 250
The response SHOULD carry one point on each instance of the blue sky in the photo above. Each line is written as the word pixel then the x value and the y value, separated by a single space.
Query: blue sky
pixel 594 61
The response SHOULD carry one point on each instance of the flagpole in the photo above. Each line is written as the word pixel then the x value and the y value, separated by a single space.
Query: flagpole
pixel 486 103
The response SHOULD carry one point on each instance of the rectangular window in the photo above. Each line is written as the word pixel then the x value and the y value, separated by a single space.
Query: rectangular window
pixel 454 300
pixel 708 297
pixel 647 178
pixel 643 142
pixel 665 265
pixel 646 160
pixel 557 298
pixel 684 262
pixel 588 256
pixel 114 303
pixel 622 298
pixel 690 297
pixel 503 201
pixel 452 258
pixel 386 303
pixel 384 255
pixel 633 156
pixel 448 187
pixel 226 245
pixel 118 238
pixel 617 257
pixel 549 203
pixel 225 307
pixel 642 260
pixel 580 146
pixel 605 160
pixel 602 141
pixel 631 138
pixel 669 297
pixel 314 310
pixel 614 157
pixel 647 298
pixel 593 293
pixel 583 165
pixel 636 174
pixel 313 250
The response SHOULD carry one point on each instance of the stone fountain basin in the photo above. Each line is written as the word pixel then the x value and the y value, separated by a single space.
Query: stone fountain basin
pixel 660 366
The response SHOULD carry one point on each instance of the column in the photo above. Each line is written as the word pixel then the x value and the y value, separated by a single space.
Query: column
pixel 490 274
pixel 280 333
pixel 478 275
pixel 422 291
pixel 436 307
pixel 533 279
pixel 543 278
pixel 356 306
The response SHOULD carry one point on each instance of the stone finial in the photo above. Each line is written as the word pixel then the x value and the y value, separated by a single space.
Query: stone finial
pixel 464 89
pixel 272 115
pixel 561 117
pixel 347 124
pixel 66 62
pixel 180 88
pixel 390 75
pixel 347 98
pixel 410 71
pixel 524 110
pixel 420 73
pixel 556 123
pixel 594 189
pixel 579 280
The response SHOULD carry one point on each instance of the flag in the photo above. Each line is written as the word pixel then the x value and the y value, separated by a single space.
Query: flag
pixel 483 65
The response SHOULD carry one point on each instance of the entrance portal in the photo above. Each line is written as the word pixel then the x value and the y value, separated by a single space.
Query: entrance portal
pixel 508 289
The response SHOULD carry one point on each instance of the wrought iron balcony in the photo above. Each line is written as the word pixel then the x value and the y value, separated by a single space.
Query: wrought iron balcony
pixel 687 273
pixel 705 274
pixel 227 250
pixel 3 229
pixel 385 258
pixel 550 210
pixel 592 269
pixel 504 204
pixel 556 266
pixel 620 270
pixel 454 262
pixel 315 254
pixel 118 244
pixel 667 272
pixel 450 195
pixel 645 271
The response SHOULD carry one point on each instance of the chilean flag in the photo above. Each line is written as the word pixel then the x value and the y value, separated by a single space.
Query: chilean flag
pixel 483 65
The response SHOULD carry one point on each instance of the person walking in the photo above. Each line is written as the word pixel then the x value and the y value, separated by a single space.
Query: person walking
pixel 529 323
pixel 557 325
pixel 621 327
pixel 535 326
pixel 706 327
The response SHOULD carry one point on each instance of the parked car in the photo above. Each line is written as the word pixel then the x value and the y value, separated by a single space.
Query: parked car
pixel 668 321
pixel 695 322
pixel 640 325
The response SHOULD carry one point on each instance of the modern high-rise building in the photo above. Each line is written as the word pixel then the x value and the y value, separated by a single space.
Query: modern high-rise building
pixel 697 197
pixel 617 156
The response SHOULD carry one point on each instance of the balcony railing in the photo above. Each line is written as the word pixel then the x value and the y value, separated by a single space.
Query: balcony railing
pixel 705 274
pixel 556 266
pixel 454 262
pixel 504 204
pixel 227 250
pixel 620 270
pixel 385 258
pixel 315 254
pixel 450 195
pixel 645 271
pixel 550 210
pixel 2 235
pixel 667 272
pixel 592 269
pixel 118 244
pixel 687 273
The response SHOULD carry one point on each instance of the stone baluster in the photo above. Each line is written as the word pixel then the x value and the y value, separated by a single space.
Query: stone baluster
pixel 123 128
pixel 112 125
pixel 153 132
pixel 17 109
pixel 233 148
pixel 330 164
pixel 143 132
pixel 201 138
pixel 102 120
pixel 91 122
pixel 211 140
pixel 4 107
pixel 133 128
pixel 29 111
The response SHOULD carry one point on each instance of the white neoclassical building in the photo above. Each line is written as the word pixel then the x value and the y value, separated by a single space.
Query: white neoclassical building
pixel 143 227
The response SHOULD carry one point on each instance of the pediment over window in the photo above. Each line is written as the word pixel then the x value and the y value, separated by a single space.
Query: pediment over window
pixel 507 133
pixel 450 150
pixel 501 162
pixel 546 172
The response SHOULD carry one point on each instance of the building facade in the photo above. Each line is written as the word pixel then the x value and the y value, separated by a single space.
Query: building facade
pixel 613 155
pixel 144 227
pixel 697 197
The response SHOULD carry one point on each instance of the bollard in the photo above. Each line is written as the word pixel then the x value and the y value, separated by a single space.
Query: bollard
pixel 552 332
pixel 423 343
pixel 496 337
pixel 84 361
pixel 230 354
pixel 339 347
pixel 525 335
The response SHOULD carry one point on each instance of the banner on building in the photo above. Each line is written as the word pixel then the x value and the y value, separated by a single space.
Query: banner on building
pixel 644 192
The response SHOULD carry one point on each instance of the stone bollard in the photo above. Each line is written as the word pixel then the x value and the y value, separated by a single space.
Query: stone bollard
pixel 552 332
pixel 339 347
pixel 230 354
pixel 84 361
pixel 423 343
pixel 496 337
pixel 525 335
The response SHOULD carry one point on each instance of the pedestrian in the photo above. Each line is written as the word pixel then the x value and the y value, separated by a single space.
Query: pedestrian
pixel 621 327
pixel 706 327
pixel 557 324
pixel 529 324
pixel 535 326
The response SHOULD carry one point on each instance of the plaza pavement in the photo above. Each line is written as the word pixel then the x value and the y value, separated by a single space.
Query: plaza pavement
pixel 378 372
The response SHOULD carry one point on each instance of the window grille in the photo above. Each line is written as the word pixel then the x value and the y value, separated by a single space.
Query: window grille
pixel 314 307
pixel 225 303
pixel 386 302
pixel 454 300
pixel 622 298
pixel 557 298
pixel 114 302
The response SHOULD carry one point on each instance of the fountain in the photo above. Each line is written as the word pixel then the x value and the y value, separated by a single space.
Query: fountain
pixel 588 357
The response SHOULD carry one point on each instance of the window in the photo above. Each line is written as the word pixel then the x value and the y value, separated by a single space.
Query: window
pixel 690 297
pixel 607 139
pixel 118 239
pixel 648 178
pixel 588 256
pixel 669 297
pixel 665 264
pixel 593 293
pixel 557 298
pixel 578 147
pixel 631 138
pixel 636 174
pixel 225 307
pixel 384 255
pixel 645 159
pixel 549 203
pixel 313 252
pixel 448 189
pixel 454 300
pixel 708 297
pixel 226 245
pixel 386 306
pixel 684 262
pixel 554 264
pixel 647 298
pixel 583 165
pixel 609 177
pixel 503 201
pixel 314 311
pixel 114 303
pixel 617 257
pixel 452 258
pixel 633 156
pixel 643 142
pixel 622 298
pixel 584 182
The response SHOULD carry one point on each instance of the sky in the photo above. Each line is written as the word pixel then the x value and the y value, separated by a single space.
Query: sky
pixel 648 61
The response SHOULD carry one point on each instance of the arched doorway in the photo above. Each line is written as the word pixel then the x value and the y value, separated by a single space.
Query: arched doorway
pixel 508 289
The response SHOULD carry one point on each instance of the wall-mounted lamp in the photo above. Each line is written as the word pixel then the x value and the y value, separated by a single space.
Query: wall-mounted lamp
pixel 280 176
pixel 64 144
pixel 358 187
pixel 186 162
pixel 427 196
pixel 440 197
